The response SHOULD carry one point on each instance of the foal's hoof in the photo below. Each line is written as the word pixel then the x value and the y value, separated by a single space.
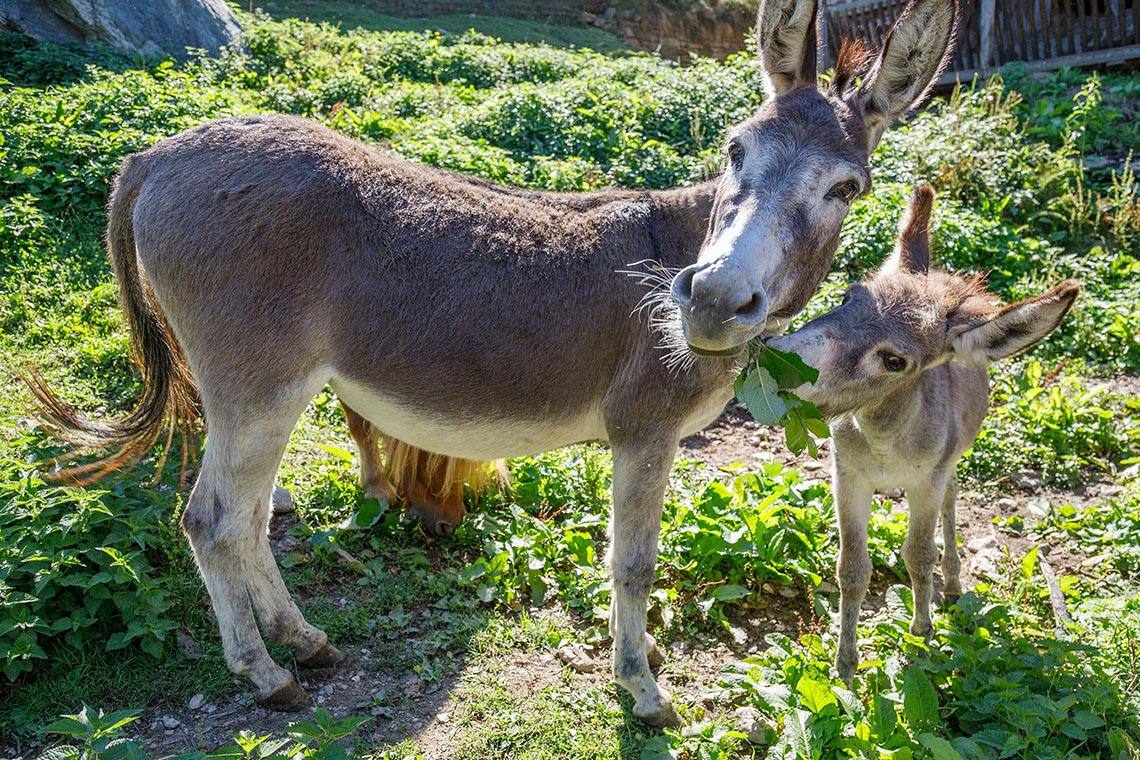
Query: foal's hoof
pixel 288 698
pixel 653 653
pixel 659 714
pixel 325 657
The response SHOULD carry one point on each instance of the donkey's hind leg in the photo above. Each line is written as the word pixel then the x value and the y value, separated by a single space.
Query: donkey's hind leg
pixel 226 521
pixel 951 564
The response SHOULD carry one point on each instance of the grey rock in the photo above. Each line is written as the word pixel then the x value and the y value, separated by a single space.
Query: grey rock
pixel 196 701
pixel 981 543
pixel 760 730
pixel 1006 505
pixel 171 722
pixel 153 28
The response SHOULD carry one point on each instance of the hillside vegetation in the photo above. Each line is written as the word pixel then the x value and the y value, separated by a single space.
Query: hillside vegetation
pixel 99 601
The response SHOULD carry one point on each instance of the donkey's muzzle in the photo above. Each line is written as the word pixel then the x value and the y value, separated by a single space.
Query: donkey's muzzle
pixel 719 313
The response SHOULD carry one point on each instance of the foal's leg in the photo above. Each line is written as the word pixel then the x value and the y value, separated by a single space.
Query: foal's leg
pixel 951 564
pixel 853 498
pixel 641 472
pixel 367 439
pixel 919 552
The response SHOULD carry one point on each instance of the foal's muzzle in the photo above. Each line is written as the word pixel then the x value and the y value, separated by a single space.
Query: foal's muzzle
pixel 719 312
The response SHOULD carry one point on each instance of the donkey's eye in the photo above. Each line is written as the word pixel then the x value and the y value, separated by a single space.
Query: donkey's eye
pixel 845 191
pixel 893 362
pixel 736 155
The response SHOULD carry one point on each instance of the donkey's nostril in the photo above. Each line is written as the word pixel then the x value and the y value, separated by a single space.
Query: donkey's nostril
pixel 682 288
pixel 751 307
pixel 755 308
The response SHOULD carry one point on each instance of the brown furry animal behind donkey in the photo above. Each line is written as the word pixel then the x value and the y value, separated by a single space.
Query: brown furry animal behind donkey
pixel 260 259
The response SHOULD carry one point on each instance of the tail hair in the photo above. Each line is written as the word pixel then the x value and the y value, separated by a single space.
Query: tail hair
pixel 169 402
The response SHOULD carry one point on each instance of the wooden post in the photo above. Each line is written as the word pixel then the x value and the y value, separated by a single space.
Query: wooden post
pixel 825 61
pixel 986 32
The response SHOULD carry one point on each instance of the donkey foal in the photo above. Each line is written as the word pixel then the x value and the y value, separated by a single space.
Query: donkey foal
pixel 902 375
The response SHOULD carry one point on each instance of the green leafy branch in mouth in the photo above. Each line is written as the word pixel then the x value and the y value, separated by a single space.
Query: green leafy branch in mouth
pixel 763 386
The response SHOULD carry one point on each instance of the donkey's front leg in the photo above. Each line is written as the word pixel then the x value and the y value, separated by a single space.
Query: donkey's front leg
pixel 853 508
pixel 641 472
pixel 924 502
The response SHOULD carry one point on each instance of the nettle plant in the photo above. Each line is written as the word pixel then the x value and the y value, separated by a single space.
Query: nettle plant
pixel 76 570
pixel 993 685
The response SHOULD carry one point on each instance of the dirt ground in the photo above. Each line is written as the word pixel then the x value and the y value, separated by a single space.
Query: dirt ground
pixel 431 714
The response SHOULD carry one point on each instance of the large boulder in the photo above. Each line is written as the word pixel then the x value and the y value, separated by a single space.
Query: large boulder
pixel 148 27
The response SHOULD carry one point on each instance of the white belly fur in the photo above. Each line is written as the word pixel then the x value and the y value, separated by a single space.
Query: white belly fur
pixel 469 439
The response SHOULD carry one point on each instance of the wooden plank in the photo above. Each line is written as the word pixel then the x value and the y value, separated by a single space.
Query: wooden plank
pixel 1018 32
pixel 1110 57
pixel 1029 11
pixel 1079 23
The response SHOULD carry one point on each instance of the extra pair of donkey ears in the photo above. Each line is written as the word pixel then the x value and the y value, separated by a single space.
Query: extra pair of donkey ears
pixel 984 336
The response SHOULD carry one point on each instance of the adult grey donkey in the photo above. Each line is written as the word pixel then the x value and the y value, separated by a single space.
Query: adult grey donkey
pixel 262 258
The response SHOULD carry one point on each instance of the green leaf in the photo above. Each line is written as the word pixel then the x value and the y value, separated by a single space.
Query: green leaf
pixel 815 694
pixel 939 747
pixel 795 434
pixel 787 368
pixel 920 701
pixel 1028 563
pixel 728 592
pixel 370 512
pixel 883 718
pixel 341 454
pixel 758 392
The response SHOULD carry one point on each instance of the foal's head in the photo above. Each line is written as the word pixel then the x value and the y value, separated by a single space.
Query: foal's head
pixel 906 319
pixel 793 169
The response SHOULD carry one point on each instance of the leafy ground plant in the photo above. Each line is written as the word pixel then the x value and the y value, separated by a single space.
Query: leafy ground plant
pixel 990 684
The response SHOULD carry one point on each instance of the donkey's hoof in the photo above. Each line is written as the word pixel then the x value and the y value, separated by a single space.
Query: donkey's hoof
pixel 659 714
pixel 288 698
pixel 325 657
pixel 653 653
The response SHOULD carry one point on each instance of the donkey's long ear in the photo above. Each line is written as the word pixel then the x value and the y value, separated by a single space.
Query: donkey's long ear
pixel 1015 328
pixel 912 246
pixel 786 29
pixel 915 52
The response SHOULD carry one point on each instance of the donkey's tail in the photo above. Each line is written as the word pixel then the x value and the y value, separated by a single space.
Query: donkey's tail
pixel 169 402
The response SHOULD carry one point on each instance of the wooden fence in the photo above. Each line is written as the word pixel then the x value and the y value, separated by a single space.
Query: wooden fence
pixel 1045 34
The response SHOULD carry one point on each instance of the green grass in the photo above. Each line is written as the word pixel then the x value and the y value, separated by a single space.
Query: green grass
pixel 362 15
pixel 95 584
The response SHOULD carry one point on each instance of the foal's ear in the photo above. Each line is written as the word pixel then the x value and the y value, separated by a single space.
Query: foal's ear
pixel 912 246
pixel 915 52
pixel 1015 328
pixel 786 29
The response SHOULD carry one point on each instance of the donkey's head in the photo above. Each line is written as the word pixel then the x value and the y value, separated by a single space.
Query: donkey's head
pixel 793 169
pixel 904 320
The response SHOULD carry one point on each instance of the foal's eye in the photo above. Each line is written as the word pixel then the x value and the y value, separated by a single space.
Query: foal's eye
pixel 845 191
pixel 893 363
pixel 736 155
